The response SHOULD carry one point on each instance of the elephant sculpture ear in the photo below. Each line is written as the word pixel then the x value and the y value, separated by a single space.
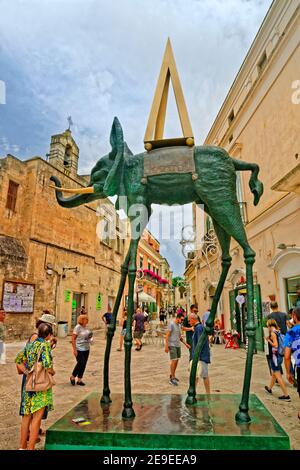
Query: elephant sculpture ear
pixel 116 138
pixel 114 178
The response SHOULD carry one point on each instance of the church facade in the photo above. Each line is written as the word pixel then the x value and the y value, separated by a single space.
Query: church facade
pixel 50 257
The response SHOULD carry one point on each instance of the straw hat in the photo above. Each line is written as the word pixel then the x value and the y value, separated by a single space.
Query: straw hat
pixel 48 318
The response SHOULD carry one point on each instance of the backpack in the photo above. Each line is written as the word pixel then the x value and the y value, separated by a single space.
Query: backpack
pixel 280 340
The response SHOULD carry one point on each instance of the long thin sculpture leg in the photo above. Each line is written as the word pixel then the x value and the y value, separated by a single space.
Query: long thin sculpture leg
pixel 229 218
pixel 224 240
pixel 242 415
pixel 111 331
pixel 128 412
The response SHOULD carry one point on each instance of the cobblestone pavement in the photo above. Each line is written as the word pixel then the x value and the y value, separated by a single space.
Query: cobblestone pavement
pixel 150 371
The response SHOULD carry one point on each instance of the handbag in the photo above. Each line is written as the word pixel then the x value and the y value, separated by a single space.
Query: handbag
pixel 38 379
pixel 21 369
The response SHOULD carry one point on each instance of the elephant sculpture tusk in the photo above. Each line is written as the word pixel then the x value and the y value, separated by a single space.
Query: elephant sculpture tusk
pixel 88 190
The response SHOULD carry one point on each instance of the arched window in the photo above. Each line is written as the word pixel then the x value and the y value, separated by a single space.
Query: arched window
pixel 208 224
pixel 67 156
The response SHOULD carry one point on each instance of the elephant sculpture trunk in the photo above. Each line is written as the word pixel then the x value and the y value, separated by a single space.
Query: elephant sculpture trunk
pixel 83 195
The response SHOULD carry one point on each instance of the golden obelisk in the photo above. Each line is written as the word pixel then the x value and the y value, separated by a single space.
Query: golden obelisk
pixel 156 122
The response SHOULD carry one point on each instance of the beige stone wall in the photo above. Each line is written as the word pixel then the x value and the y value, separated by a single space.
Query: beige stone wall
pixel 56 236
pixel 91 280
pixel 11 222
pixel 271 136
pixel 265 130
pixel 271 278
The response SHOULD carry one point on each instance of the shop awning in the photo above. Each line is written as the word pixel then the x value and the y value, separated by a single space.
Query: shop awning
pixel 143 297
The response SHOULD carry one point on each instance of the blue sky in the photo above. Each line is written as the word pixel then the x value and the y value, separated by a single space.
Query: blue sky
pixel 94 59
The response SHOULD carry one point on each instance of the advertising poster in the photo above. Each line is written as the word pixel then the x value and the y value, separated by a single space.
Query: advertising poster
pixel 18 297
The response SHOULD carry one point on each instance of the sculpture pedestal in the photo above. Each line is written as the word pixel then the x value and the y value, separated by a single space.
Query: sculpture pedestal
pixel 165 422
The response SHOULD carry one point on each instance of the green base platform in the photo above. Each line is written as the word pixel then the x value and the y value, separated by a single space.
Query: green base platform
pixel 165 422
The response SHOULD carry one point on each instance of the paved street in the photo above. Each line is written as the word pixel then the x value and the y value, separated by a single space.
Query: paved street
pixel 149 374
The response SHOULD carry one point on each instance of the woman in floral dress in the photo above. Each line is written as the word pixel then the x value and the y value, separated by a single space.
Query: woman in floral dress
pixel 33 403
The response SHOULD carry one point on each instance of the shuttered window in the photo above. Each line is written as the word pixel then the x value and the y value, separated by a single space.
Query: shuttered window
pixel 12 195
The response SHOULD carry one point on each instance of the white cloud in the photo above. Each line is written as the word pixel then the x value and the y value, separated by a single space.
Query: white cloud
pixel 7 147
pixel 2 92
pixel 95 59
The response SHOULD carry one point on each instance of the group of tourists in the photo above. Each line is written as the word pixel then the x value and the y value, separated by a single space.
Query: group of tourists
pixel 283 343
pixel 191 324
pixel 165 312
pixel 35 361
pixel 140 321
pixel 35 364
pixel 193 327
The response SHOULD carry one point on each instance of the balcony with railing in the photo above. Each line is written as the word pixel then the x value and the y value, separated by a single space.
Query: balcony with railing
pixel 154 278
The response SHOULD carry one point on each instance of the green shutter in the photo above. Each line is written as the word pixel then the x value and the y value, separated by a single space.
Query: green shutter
pixel 232 308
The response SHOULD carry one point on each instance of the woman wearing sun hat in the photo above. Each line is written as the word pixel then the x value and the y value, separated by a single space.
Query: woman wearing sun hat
pixel 49 319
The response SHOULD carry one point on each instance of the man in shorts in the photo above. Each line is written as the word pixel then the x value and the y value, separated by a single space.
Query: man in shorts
pixel 173 345
pixel 292 346
pixel 106 318
pixel 189 330
pixel 204 356
pixel 139 321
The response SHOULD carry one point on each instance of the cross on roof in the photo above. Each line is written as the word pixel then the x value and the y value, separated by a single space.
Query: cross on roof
pixel 70 122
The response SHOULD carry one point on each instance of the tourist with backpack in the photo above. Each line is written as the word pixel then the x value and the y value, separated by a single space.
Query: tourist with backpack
pixel 291 343
pixel 281 318
pixel 276 352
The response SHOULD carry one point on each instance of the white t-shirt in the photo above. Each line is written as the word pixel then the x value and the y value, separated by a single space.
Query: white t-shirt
pixel 175 334
pixel 83 339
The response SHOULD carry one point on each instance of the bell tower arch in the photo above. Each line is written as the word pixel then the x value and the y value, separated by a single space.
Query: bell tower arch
pixel 64 153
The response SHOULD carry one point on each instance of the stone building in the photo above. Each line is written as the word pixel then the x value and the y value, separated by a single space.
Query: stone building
pixel 168 291
pixel 154 273
pixel 180 296
pixel 259 122
pixel 51 257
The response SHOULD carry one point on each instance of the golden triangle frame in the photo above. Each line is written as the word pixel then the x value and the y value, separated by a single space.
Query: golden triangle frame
pixel 156 122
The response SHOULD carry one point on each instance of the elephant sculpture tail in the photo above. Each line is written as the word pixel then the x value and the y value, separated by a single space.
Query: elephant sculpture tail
pixel 255 185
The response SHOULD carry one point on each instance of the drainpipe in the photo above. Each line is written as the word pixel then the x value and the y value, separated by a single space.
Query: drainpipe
pixel 57 292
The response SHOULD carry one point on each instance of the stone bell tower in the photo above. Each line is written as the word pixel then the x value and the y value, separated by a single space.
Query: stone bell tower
pixel 64 153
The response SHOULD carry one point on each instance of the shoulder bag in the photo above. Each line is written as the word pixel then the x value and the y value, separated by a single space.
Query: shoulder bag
pixel 38 378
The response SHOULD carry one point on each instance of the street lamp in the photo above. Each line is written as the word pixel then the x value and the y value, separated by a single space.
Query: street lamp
pixel 139 277
pixel 76 270
pixel 187 241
